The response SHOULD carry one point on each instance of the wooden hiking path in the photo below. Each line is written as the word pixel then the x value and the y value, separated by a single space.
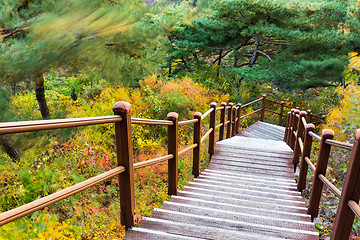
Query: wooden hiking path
pixel 248 192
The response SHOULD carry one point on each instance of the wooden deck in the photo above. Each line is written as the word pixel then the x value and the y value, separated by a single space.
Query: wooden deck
pixel 248 192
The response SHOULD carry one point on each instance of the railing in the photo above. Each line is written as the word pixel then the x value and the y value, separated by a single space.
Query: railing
pixel 124 150
pixel 299 135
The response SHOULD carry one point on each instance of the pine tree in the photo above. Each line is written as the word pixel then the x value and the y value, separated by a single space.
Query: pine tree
pixel 104 36
pixel 294 44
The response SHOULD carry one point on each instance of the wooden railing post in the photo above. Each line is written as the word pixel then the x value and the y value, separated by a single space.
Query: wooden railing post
pixel 308 116
pixel 212 124
pixel 124 153
pixel 306 153
pixel 197 140
pixel 287 127
pixel 351 191
pixel 222 120
pixel 263 105
pixel 173 149
pixel 294 128
pixel 238 113
pixel 300 134
pixel 233 121
pixel 281 112
pixel 290 126
pixel 321 165
pixel 228 129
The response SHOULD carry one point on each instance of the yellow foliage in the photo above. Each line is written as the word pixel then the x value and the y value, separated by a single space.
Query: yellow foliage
pixel 354 60
pixel 343 118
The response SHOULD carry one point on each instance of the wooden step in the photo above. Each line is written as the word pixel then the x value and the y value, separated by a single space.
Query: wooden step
pixel 185 229
pixel 248 176
pixel 241 208
pixel 250 169
pixel 148 234
pixel 248 192
pixel 247 182
pixel 223 150
pixel 258 193
pixel 272 231
pixel 251 164
pixel 268 161
pixel 249 197
pixel 253 203
pixel 237 185
pixel 238 216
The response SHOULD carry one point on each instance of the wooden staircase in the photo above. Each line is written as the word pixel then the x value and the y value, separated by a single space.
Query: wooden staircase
pixel 248 192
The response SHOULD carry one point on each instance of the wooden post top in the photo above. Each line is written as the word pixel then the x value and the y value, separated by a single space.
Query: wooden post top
pixel 230 104
pixel 213 104
pixel 357 135
pixel 239 104
pixel 327 133
pixel 121 107
pixel 172 116
pixel 223 104
pixel 310 127
pixel 197 115
pixel 302 113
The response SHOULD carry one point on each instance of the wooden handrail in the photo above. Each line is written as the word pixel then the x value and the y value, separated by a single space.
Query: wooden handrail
pixel 354 207
pixel 311 165
pixel 187 122
pixel 346 146
pixel 219 125
pixel 255 101
pixel 250 113
pixel 189 148
pixel 207 113
pixel 267 110
pixel 38 204
pixel 301 145
pixel 29 126
pixel 331 186
pixel 314 135
pixel 150 121
pixel 154 161
pixel 206 135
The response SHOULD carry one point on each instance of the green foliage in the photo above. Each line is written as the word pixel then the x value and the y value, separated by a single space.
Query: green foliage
pixel 292 44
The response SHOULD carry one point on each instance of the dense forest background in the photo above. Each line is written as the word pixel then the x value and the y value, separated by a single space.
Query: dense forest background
pixel 76 58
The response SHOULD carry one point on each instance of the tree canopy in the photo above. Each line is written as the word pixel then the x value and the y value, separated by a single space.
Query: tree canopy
pixel 293 44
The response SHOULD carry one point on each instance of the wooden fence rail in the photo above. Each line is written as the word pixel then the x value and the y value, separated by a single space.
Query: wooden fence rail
pixel 299 135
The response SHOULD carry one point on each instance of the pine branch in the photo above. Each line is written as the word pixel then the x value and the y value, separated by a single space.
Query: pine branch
pixel 275 43
pixel 11 33
pixel 265 55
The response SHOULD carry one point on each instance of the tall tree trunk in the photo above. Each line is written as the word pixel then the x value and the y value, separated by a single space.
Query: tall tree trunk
pixel 219 63
pixel 40 96
pixel 9 147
